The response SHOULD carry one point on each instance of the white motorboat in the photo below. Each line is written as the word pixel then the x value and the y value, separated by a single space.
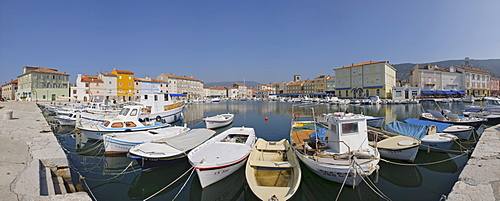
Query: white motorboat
pixel 168 150
pixel 162 107
pixel 272 170
pixel 127 121
pixel 120 143
pixel 394 146
pixel 222 155
pixel 345 157
pixel 218 121
pixel 431 141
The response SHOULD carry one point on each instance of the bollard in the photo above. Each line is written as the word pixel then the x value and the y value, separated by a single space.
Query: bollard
pixel 7 115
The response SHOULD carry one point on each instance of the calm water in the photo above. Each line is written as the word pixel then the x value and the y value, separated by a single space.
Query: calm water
pixel 108 178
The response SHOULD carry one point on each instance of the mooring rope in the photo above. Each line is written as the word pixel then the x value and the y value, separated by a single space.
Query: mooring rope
pixel 422 164
pixel 343 183
pixel 151 196
pixel 184 184
pixel 85 178
pixel 372 185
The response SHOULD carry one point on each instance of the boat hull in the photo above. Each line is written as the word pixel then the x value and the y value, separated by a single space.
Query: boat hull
pixel 338 173
pixel 148 163
pixel 211 175
pixel 96 134
pixel 475 124
pixel 408 155
pixel 437 144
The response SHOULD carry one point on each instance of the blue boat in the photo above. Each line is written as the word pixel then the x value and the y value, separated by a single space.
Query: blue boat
pixel 431 141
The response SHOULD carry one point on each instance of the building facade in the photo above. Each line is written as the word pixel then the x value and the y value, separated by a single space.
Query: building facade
pixel 124 84
pixel 477 81
pixel 42 84
pixel 109 82
pixel 365 79
pixel 191 87
pixel 9 90
pixel 495 86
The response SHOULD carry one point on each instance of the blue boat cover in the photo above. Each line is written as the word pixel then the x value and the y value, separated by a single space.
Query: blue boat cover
pixel 440 126
pixel 321 133
pixel 412 130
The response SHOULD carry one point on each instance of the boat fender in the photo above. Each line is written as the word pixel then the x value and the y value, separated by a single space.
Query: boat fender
pixel 158 118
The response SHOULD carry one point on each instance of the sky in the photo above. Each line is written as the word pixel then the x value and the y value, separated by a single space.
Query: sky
pixel 218 41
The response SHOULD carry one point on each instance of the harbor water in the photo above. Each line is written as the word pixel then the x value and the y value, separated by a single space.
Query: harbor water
pixel 120 178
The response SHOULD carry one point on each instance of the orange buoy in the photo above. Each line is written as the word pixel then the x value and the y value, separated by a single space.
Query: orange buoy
pixel 266 118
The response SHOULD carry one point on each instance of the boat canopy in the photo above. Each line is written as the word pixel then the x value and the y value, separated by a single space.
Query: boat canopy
pixel 440 126
pixel 411 130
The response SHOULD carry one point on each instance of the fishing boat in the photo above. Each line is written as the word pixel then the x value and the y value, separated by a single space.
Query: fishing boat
pixel 431 141
pixel 127 121
pixel 394 146
pixel 219 121
pixel 376 122
pixel 272 170
pixel 345 157
pixel 168 150
pixel 222 155
pixel 120 143
pixel 461 131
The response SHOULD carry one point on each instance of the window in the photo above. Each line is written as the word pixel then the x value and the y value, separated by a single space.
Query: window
pixel 130 124
pixel 378 92
pixel 377 79
pixel 129 77
pixel 117 125
pixel 349 128
pixel 129 84
pixel 120 77
pixel 367 80
pixel 367 69
pixel 134 112
pixel 377 68
pixel 119 84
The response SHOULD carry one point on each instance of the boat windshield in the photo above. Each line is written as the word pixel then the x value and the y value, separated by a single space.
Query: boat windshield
pixel 349 128
pixel 124 111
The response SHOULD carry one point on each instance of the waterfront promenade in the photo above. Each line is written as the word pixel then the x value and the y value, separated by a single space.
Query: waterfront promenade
pixel 33 166
pixel 480 178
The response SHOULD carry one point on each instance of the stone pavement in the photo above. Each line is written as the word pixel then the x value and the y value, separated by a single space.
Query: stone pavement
pixel 32 160
pixel 480 178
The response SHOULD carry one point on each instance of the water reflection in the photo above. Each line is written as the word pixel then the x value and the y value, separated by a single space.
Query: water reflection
pixel 401 175
pixel 149 182
pixel 229 188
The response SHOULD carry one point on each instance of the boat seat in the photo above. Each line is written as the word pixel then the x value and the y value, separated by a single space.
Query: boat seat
pixel 276 164
pixel 269 147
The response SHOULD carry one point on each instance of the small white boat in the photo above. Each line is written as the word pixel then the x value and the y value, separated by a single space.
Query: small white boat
pixel 168 150
pixel 120 143
pixel 222 155
pixel 218 121
pixel 394 146
pixel 331 158
pixel 272 170
pixel 431 141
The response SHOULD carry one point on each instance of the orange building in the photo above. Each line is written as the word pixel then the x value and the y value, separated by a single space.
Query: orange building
pixel 124 84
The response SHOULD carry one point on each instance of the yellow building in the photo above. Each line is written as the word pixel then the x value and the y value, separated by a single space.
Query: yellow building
pixel 124 84
pixel 374 78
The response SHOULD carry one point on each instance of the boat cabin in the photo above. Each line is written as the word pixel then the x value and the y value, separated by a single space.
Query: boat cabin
pixel 159 102
pixel 127 118
pixel 347 132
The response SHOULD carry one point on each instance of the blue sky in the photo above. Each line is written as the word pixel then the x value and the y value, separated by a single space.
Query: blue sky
pixel 262 41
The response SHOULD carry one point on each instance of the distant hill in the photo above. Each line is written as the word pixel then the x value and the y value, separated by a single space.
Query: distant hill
pixel 230 84
pixel 490 65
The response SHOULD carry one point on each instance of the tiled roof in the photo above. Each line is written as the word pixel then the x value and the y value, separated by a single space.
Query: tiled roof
pixel 147 80
pixel 267 90
pixel 11 82
pixel 217 88
pixel 90 79
pixel 473 69
pixel 364 63
pixel 180 77
pixel 108 74
pixel 45 70
pixel 124 71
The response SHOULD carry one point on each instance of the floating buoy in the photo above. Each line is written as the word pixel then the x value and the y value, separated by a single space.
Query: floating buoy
pixel 266 118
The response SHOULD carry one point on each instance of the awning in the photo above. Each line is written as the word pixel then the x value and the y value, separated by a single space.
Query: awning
pixel 318 94
pixel 450 92
pixel 439 92
pixel 462 92
pixel 173 95
pixel 428 92
pixel 342 88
